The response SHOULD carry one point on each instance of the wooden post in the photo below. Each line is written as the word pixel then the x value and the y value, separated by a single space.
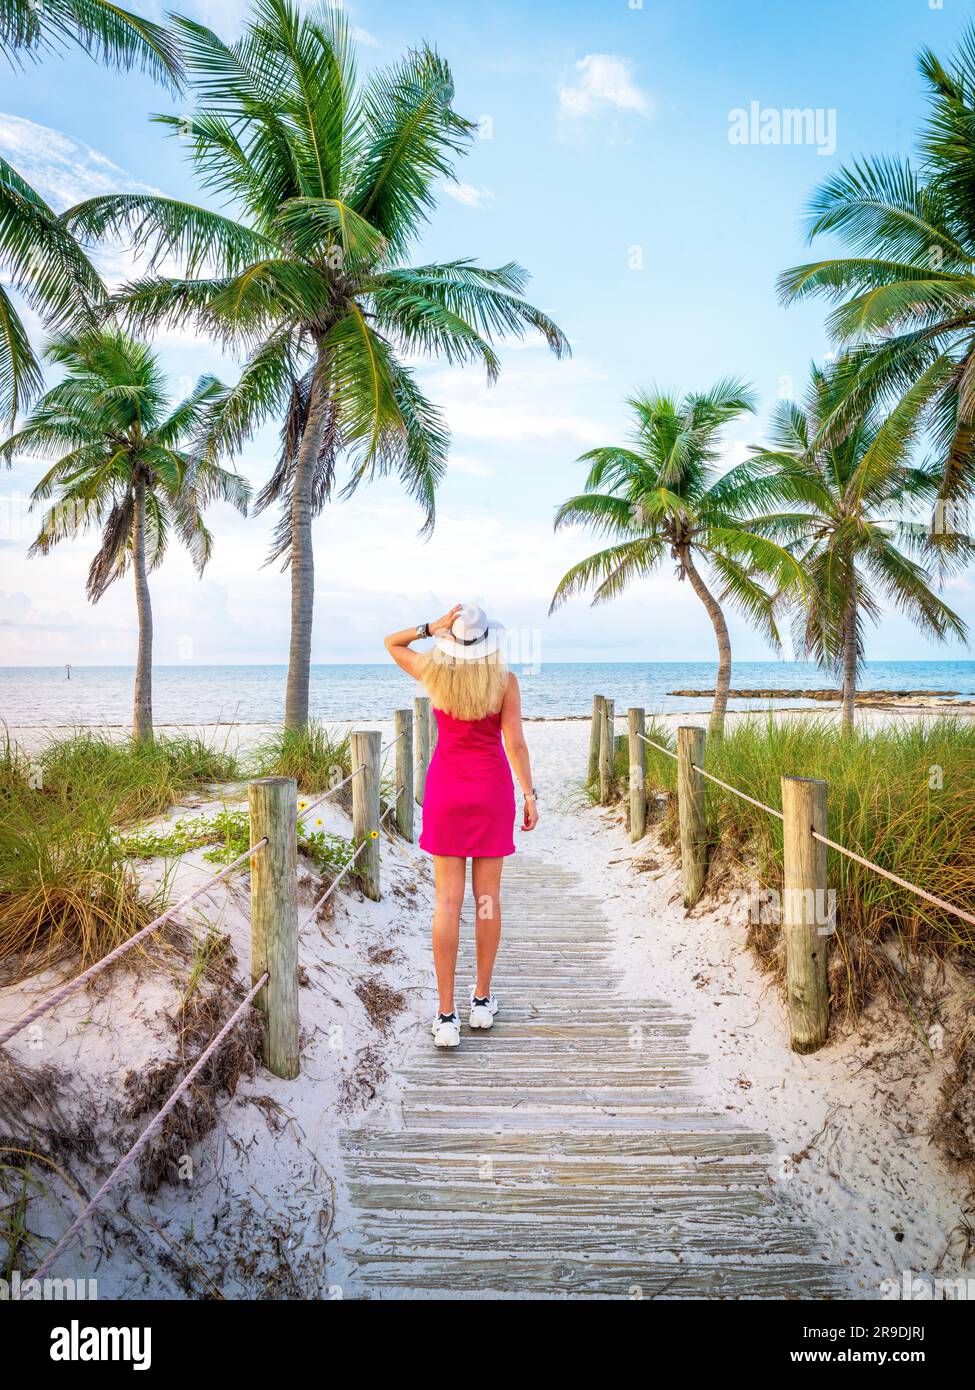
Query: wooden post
pixel 690 808
pixel 806 917
pixel 403 730
pixel 595 733
pixel 273 807
pixel 433 729
pixel 636 723
pixel 607 729
pixel 421 731
pixel 367 752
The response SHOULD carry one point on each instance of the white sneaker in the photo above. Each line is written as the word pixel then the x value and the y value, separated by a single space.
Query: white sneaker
pixel 483 1011
pixel 446 1030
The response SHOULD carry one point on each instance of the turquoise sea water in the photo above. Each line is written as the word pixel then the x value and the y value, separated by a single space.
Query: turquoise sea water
pixel 255 694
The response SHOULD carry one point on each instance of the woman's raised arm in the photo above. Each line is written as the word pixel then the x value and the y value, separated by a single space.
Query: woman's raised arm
pixel 398 643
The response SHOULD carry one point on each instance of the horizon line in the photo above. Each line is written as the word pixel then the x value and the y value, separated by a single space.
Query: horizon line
pixel 385 665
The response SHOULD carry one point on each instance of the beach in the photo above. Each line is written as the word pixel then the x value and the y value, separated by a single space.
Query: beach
pixel 266 1205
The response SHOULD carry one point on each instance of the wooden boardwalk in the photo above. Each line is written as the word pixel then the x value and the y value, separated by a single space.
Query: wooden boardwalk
pixel 563 1153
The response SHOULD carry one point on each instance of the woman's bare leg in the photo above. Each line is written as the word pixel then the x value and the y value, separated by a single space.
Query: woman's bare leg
pixel 486 883
pixel 448 876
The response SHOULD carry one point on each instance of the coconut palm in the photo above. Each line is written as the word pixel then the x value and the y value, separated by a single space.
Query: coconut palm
pixel 330 183
pixel 666 495
pixel 847 506
pixel 906 295
pixel 43 263
pixel 39 257
pixel 120 463
pixel 109 33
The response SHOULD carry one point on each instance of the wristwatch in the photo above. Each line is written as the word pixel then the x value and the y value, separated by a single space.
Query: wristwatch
pixel 530 796
pixel 423 629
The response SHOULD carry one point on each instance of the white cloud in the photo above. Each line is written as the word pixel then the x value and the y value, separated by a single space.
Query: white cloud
pixel 528 402
pixel 471 468
pixel 63 170
pixel 467 194
pixel 604 80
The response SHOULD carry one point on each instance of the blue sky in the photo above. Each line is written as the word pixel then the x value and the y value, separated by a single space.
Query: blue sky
pixel 607 170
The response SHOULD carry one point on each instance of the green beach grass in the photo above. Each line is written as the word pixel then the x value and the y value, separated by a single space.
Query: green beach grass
pixel 67 887
pixel 71 831
pixel 312 756
pixel 899 795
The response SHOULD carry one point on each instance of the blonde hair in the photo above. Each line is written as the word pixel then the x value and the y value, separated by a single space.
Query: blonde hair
pixel 467 689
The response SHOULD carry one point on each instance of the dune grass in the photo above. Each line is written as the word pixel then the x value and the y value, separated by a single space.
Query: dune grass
pixel 136 778
pixel 70 830
pixel 66 888
pixel 900 796
pixel 316 759
pixel 312 756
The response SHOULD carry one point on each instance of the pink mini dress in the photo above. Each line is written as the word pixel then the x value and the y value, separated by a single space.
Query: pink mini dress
pixel 469 799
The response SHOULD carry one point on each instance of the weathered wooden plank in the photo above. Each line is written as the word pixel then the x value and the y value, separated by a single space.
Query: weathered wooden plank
pixel 676 1143
pixel 522 1069
pixel 509 1273
pixel 531 1119
pixel 605 1171
pixel 421 1234
pixel 585 1202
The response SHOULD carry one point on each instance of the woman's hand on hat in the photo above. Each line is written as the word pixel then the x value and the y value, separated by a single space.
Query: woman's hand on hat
pixel 442 626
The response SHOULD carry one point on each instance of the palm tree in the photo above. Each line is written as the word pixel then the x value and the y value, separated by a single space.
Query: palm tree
pixel 39 257
pixel 906 295
pixel 120 464
pixel 330 184
pixel 666 495
pixel 46 265
pixel 848 501
pixel 104 30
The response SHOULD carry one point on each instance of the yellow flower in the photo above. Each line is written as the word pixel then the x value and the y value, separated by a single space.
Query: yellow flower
pixel 319 821
pixel 302 805
pixel 374 834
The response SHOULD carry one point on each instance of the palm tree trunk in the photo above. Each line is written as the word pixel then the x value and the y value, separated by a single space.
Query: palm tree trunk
pixel 142 702
pixel 849 665
pixel 303 559
pixel 723 683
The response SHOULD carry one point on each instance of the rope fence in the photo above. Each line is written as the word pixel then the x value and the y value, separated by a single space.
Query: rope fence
pixel 807 916
pixel 711 778
pixel 151 1129
pixel 334 884
pixel 894 878
pixel 346 868
pixel 65 991
pixel 306 810
pixel 273 812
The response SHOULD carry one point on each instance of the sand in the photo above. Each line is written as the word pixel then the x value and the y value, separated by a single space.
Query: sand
pixel 262 1210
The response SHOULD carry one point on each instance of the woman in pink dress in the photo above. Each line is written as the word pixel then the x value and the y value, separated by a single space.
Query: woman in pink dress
pixel 469 800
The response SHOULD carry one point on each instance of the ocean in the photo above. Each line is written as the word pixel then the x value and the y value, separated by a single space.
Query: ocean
pixel 102 695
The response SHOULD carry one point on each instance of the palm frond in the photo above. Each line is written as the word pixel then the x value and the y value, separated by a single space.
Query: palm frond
pixel 110 34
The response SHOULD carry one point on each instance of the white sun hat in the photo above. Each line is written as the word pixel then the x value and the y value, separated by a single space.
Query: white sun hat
pixel 472 635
